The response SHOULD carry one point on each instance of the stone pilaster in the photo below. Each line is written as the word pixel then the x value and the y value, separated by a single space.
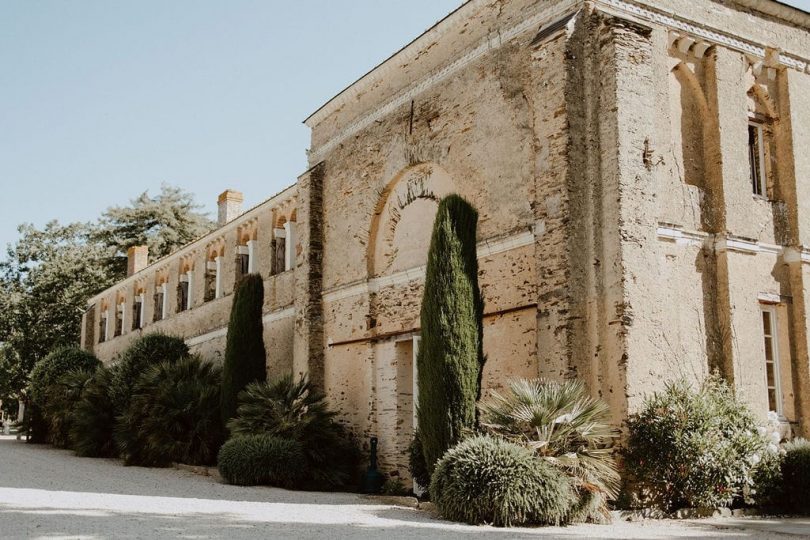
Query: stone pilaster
pixel 308 349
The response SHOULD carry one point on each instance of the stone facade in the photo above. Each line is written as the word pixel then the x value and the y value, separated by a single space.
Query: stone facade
pixel 641 181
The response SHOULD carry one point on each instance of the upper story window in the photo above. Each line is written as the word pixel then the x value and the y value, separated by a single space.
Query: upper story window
pixel 103 325
pixel 120 313
pixel 161 302
pixel 756 157
pixel 770 336
pixel 213 279
pixel 137 311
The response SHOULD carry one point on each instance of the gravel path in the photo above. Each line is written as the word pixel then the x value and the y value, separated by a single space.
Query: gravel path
pixel 49 493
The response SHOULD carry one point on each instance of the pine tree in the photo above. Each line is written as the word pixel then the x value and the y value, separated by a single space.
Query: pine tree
pixel 450 356
pixel 245 358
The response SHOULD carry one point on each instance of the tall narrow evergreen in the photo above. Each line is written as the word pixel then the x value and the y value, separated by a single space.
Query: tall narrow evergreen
pixel 245 358
pixel 450 356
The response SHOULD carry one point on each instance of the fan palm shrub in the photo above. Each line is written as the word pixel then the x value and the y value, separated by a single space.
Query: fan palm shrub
pixel 295 410
pixel 144 352
pixel 91 428
pixel 61 399
pixel 261 459
pixel 173 415
pixel 565 427
pixel 486 479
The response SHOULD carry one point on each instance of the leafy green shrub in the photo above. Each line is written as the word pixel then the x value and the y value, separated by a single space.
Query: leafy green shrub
pixel 144 352
pixel 61 398
pixel 489 480
pixel 567 428
pixel 245 357
pixel 173 415
pixel 296 411
pixel 450 357
pixel 416 462
pixel 690 448
pixel 91 429
pixel 261 459
pixel 796 475
pixel 767 480
pixel 45 373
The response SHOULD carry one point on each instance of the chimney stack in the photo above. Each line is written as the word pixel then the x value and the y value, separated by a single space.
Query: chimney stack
pixel 230 206
pixel 137 259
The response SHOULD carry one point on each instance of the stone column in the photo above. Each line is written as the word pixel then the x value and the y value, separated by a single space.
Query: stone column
pixel 308 347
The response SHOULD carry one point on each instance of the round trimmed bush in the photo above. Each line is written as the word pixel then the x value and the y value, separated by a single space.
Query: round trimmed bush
pixel 144 352
pixel 91 428
pixel 173 415
pixel 489 480
pixel 796 475
pixel 261 460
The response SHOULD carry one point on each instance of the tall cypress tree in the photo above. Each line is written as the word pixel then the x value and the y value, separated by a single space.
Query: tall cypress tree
pixel 450 356
pixel 245 358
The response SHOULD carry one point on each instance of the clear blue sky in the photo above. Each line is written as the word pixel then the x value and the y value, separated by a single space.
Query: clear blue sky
pixel 101 100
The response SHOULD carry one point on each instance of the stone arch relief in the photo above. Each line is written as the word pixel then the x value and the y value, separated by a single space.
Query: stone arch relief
pixel 403 219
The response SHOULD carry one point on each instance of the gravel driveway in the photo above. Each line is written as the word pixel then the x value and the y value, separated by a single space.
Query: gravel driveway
pixel 49 493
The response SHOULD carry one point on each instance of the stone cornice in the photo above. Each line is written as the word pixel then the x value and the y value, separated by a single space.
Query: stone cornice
pixel 704 34
pixel 722 243
pixel 491 42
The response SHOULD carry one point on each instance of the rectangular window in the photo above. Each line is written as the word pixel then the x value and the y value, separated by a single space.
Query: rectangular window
pixel 137 313
pixel 278 247
pixel 770 335
pixel 211 274
pixel 159 303
pixel 102 328
pixel 119 320
pixel 242 262
pixel 182 296
pixel 756 157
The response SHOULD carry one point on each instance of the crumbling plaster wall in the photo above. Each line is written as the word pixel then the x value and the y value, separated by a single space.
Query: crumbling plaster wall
pixel 489 131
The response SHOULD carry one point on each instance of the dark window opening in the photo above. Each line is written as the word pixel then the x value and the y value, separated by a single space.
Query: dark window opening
pixel 137 323
pixel 756 157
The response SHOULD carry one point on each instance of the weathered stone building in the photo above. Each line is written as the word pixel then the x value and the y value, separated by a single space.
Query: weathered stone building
pixel 643 182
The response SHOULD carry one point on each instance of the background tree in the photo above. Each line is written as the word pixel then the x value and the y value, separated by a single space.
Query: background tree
pixel 450 355
pixel 48 274
pixel 245 357
pixel 164 223
pixel 45 281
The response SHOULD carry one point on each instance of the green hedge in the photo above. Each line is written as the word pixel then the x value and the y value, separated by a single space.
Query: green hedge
pixel 796 476
pixel 489 480
pixel 261 460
